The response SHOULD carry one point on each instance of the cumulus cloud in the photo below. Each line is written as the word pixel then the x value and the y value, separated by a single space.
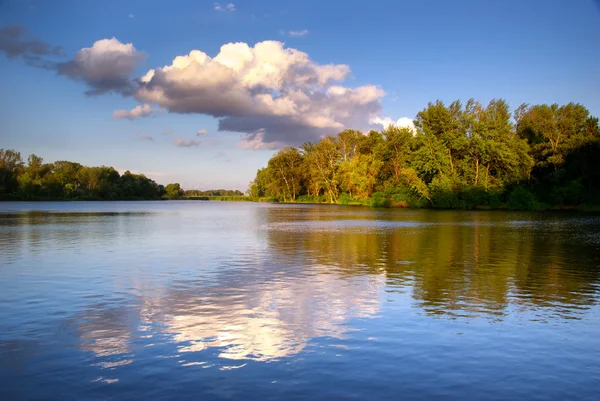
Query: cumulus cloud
pixel 186 143
pixel 225 7
pixel 104 67
pixel 401 122
pixel 201 132
pixel 139 111
pixel 272 94
pixel 299 33
pixel 14 42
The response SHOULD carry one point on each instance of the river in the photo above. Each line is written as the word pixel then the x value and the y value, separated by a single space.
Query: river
pixel 245 301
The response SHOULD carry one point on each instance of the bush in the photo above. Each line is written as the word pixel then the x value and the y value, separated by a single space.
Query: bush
pixel 443 195
pixel 522 199
pixel 309 199
pixel 344 199
pixel 379 199
pixel 572 193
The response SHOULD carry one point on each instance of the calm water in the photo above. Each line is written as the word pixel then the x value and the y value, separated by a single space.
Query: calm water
pixel 210 300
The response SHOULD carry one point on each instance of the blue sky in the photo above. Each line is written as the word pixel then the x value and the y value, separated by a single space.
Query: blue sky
pixel 402 54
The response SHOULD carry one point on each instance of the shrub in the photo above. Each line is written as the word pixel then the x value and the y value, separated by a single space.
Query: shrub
pixel 522 199
pixel 379 199
pixel 309 199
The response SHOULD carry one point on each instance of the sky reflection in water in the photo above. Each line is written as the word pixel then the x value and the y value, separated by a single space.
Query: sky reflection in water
pixel 227 301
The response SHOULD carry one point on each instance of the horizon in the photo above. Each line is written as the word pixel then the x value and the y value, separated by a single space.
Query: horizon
pixel 257 77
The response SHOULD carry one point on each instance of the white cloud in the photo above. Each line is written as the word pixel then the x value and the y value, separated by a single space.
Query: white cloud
pixel 277 91
pixel 203 131
pixel 186 143
pixel 224 7
pixel 139 111
pixel 302 32
pixel 274 95
pixel 104 67
pixel 401 122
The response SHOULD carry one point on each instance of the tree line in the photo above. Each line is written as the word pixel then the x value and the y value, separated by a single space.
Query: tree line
pixel 65 180
pixel 213 192
pixel 458 156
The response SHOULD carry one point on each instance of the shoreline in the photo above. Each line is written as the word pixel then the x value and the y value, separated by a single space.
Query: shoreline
pixel 555 208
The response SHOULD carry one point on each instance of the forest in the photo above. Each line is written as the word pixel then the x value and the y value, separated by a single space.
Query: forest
pixel 65 180
pixel 460 156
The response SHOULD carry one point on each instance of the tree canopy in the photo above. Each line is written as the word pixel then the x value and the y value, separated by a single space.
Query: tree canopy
pixel 36 180
pixel 459 156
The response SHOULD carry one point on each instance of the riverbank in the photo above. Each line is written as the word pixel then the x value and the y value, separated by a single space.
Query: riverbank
pixel 404 205
pixel 368 203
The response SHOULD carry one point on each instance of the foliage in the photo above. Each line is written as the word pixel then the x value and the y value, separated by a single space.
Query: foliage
pixel 379 200
pixel 173 191
pixel 64 180
pixel 522 199
pixel 460 156
pixel 212 192
pixel 231 198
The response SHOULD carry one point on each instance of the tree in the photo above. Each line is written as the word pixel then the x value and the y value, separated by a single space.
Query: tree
pixel 460 156
pixel 286 174
pixel 347 142
pixel 321 164
pixel 173 191
pixel 395 153
pixel 552 131
pixel 10 166
pixel 258 187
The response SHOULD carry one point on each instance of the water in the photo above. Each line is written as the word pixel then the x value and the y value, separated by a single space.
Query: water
pixel 211 300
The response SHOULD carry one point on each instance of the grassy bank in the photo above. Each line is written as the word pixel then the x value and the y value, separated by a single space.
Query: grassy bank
pixel 518 199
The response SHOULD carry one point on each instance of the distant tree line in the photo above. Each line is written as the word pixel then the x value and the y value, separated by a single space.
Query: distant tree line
pixel 213 192
pixel 64 180
pixel 459 156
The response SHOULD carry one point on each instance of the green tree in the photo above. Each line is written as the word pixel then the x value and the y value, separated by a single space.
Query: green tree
pixel 321 166
pixel 10 166
pixel 286 174
pixel 173 191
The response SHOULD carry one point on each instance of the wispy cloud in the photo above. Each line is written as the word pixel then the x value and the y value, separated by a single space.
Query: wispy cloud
pixel 201 132
pixel 224 7
pixel 139 111
pixel 186 143
pixel 132 16
pixel 296 34
pixel 222 157
pixel 143 137
pixel 168 131
pixel 15 42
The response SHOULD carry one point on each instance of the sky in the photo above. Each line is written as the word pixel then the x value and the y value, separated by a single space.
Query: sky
pixel 203 93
